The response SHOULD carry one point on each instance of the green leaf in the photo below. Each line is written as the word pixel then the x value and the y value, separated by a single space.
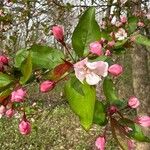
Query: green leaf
pixel 26 69
pixel 119 44
pixel 132 24
pixel 100 114
pixel 4 94
pixel 45 57
pixel 140 39
pixel 111 93
pixel 87 31
pixel 136 132
pixel 4 80
pixel 81 100
pixel 20 57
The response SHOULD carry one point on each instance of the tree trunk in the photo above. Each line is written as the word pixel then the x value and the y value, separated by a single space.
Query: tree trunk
pixel 141 85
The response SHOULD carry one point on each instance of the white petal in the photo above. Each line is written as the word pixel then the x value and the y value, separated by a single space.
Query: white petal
pixel 92 65
pixel 80 74
pixel 92 79
pixel 102 68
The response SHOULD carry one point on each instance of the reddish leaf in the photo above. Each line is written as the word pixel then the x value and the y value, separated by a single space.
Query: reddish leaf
pixel 61 69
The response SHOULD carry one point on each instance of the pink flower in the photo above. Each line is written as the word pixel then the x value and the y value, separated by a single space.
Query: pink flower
pixel 18 96
pixel 128 129
pixel 9 113
pixel 102 41
pixel 100 143
pixel 115 69
pixel 96 48
pixel 4 60
pixel 123 19
pixel 92 72
pixel 143 121
pixel 58 33
pixel 111 43
pixel 133 102
pixel 140 24
pixel 121 34
pixel 2 109
pixel 47 86
pixel 118 24
pixel 108 53
pixel 131 145
pixel 1 67
pixel 24 127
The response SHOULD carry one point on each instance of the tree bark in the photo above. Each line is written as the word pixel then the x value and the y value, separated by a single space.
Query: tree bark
pixel 141 84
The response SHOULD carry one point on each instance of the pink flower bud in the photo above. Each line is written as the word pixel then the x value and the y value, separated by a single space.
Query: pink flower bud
pixel 140 24
pixel 102 40
pixel 123 19
pixel 24 127
pixel 133 102
pixel 112 110
pixel 115 69
pixel 9 113
pixel 2 109
pixel 143 121
pixel 18 96
pixel 131 145
pixel 58 33
pixel 111 43
pixel 4 60
pixel 96 48
pixel 108 53
pixel 47 86
pixel 100 143
pixel 1 67
pixel 128 129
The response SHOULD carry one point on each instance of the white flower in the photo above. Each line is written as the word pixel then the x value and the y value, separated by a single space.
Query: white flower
pixel 121 34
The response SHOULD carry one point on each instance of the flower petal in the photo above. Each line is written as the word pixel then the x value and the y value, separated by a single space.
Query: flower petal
pixel 92 78
pixel 101 69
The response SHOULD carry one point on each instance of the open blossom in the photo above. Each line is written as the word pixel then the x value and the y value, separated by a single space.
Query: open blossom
pixel 3 60
pixel 140 24
pixel 133 102
pixel 100 143
pixel 143 121
pixel 9 113
pixel 90 71
pixel 131 145
pixel 115 70
pixel 118 24
pixel 111 43
pixel 18 95
pixel 113 20
pixel 123 19
pixel 121 34
pixel 58 33
pixel 96 48
pixel 24 127
pixel 47 86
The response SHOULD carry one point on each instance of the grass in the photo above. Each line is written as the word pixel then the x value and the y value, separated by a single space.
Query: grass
pixel 54 127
